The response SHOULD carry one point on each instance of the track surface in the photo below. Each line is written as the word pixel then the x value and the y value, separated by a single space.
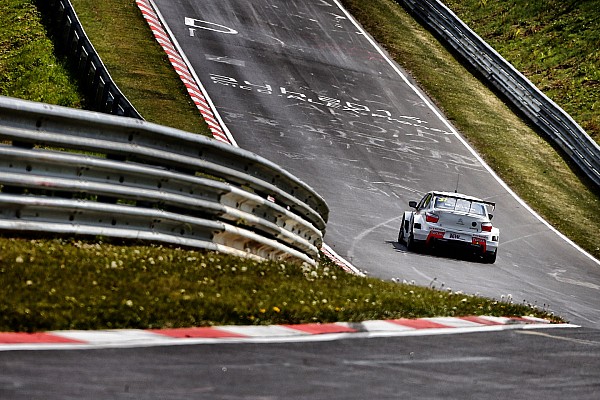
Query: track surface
pixel 338 115
pixel 552 364
pixel 299 83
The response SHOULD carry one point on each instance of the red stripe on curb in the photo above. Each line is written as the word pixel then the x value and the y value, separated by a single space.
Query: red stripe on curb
pixel 317 329
pixel 40 337
pixel 480 320
pixel 417 323
pixel 200 332
pixel 181 68
pixel 337 261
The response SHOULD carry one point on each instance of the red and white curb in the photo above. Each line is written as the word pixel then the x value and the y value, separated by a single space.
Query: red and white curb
pixel 129 338
pixel 340 262
pixel 186 74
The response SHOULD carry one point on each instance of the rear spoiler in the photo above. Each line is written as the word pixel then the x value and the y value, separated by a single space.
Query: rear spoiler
pixel 489 203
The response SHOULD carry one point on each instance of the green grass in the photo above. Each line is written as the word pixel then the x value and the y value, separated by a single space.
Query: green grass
pixel 28 67
pixel 138 64
pixel 57 284
pixel 555 43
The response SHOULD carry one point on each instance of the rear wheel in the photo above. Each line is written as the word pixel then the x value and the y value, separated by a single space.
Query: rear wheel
pixel 401 233
pixel 410 242
pixel 489 257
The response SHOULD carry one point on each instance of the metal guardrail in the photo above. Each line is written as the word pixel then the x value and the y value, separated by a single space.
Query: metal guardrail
pixel 145 181
pixel 101 91
pixel 539 109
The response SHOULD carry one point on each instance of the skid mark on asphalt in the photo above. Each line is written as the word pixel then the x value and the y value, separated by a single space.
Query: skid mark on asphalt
pixel 436 361
pixel 367 232
pixel 547 335
pixel 556 274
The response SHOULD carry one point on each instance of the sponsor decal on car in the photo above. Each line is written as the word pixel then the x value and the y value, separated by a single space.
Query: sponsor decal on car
pixel 479 241
pixel 435 234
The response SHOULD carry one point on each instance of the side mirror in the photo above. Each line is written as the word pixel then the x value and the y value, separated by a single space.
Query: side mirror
pixel 412 204
pixel 490 216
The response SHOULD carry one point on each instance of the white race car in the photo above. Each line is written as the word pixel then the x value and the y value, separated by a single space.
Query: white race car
pixel 454 219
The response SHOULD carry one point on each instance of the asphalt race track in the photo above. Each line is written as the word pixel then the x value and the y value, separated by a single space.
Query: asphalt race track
pixel 552 364
pixel 299 83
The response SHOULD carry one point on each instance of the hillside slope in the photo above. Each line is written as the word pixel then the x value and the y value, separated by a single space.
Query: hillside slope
pixel 28 67
pixel 555 43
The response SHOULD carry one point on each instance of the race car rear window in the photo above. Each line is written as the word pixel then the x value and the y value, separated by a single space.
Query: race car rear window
pixel 463 205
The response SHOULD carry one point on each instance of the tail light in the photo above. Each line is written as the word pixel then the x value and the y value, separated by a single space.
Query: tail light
pixel 486 227
pixel 432 218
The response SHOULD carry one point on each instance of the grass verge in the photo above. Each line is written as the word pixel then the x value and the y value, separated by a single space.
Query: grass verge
pixel 28 67
pixel 59 284
pixel 555 43
pixel 138 64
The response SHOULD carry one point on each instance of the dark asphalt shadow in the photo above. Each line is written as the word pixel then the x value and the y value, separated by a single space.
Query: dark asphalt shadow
pixel 442 252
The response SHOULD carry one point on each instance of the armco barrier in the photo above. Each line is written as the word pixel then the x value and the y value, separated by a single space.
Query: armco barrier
pixel 80 172
pixel 541 111
pixel 101 91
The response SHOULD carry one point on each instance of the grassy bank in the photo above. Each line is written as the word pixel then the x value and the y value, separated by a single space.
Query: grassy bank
pixel 82 285
pixel 555 43
pixel 138 64
pixel 28 67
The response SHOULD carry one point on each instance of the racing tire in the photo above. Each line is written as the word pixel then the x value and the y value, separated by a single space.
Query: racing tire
pixel 410 243
pixel 401 233
pixel 489 257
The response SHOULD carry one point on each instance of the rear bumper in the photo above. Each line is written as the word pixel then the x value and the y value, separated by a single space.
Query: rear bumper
pixel 478 243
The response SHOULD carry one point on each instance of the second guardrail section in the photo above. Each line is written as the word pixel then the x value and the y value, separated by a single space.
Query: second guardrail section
pixel 546 115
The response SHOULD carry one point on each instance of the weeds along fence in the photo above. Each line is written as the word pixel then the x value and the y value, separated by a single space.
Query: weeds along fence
pixel 73 172
pixel 102 94
pixel 546 115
